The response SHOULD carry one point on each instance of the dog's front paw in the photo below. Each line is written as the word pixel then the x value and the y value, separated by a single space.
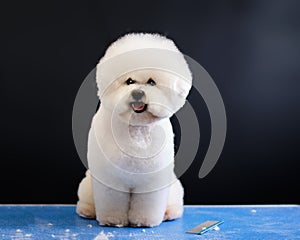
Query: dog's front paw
pixel 173 212
pixel 142 219
pixel 115 219
pixel 85 210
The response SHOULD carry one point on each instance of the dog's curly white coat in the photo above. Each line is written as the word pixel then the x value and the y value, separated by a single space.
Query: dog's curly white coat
pixel 120 188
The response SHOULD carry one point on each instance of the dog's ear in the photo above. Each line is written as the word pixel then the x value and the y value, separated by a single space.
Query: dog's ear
pixel 183 88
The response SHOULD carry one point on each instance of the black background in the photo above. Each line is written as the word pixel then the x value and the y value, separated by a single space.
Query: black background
pixel 250 48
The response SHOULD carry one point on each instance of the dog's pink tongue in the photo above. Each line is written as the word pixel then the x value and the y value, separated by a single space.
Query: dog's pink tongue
pixel 138 106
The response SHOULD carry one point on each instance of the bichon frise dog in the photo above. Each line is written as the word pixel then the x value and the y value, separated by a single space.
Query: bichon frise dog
pixel 143 79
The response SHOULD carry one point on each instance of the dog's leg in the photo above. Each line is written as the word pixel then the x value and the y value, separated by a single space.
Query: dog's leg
pixel 147 209
pixel 111 206
pixel 175 202
pixel 85 205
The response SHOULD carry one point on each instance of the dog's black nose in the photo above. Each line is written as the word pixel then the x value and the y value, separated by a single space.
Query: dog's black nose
pixel 137 94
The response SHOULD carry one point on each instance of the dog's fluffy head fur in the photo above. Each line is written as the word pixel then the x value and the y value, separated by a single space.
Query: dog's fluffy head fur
pixel 142 96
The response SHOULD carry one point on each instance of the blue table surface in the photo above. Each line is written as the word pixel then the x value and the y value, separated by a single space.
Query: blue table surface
pixel 240 222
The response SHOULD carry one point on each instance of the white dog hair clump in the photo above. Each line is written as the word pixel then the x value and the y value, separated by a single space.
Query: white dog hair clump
pixel 143 79
pixel 136 41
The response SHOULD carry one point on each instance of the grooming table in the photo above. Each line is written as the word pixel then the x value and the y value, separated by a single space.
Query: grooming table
pixel 240 222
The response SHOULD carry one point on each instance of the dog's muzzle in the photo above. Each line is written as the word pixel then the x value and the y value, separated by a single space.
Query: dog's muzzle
pixel 138 105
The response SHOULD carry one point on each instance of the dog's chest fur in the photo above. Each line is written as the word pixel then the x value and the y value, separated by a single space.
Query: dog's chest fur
pixel 140 135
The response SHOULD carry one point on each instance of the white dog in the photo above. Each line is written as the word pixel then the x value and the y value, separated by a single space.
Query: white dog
pixel 142 80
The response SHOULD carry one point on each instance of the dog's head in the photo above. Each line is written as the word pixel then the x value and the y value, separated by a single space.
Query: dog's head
pixel 142 95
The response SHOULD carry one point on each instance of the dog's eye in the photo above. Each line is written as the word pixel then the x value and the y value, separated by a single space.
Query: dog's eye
pixel 130 81
pixel 151 82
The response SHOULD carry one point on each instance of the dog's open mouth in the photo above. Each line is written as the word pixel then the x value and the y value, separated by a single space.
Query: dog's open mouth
pixel 138 107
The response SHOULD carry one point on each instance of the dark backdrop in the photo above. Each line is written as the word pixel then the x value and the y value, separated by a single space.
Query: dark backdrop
pixel 250 48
